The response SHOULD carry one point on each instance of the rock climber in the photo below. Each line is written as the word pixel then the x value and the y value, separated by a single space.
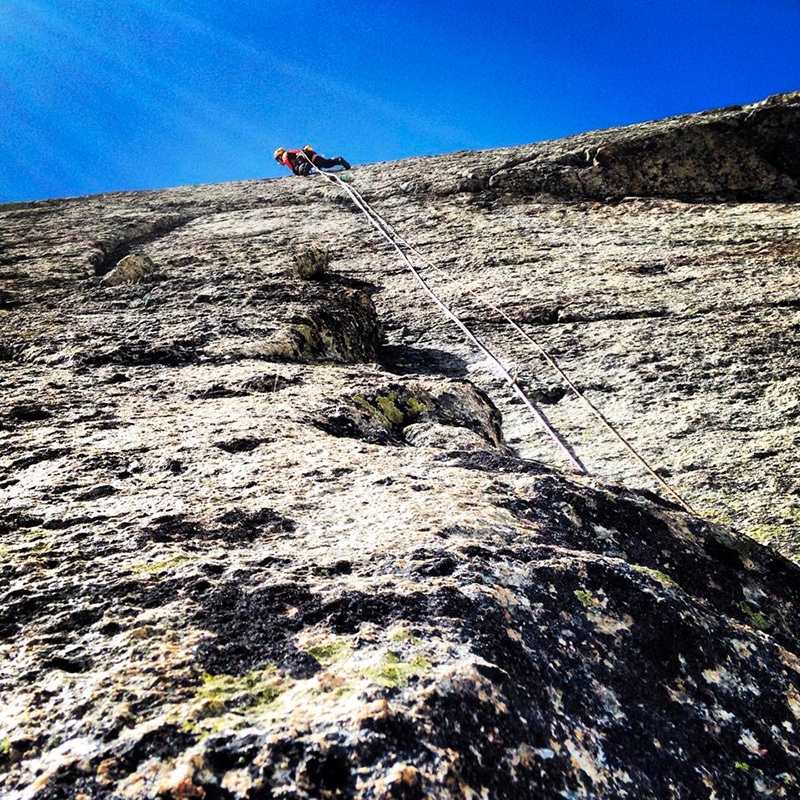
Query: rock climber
pixel 300 161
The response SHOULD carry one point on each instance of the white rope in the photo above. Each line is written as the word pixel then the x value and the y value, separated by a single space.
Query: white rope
pixel 381 227
pixel 552 363
pixel 390 233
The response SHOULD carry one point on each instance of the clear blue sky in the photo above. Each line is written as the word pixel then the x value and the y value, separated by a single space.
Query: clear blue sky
pixel 99 95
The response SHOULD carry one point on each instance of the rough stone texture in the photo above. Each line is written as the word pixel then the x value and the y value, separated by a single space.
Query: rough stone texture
pixel 266 537
pixel 130 269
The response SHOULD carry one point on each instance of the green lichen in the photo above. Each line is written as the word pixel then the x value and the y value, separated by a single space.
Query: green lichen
pixel 389 408
pixel 391 411
pixel 742 766
pixel 661 577
pixel 393 672
pixel 586 598
pixel 305 332
pixel 310 263
pixel 5 746
pixel 373 410
pixel 257 688
pixel 404 635
pixel 754 616
pixel 220 696
pixel 416 407
pixel 331 651
pixel 765 532
pixel 717 515
pixel 152 567
pixel 740 545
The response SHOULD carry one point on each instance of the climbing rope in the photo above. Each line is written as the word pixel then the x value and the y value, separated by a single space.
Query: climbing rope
pixel 593 409
pixel 532 408
pixel 390 233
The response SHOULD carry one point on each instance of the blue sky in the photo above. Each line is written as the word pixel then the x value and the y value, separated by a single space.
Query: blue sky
pixel 103 95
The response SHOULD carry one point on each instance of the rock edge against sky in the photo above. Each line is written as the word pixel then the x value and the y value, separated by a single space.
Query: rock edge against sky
pixel 273 537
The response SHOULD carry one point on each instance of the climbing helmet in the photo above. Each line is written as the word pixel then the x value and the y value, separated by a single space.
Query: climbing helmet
pixel 279 153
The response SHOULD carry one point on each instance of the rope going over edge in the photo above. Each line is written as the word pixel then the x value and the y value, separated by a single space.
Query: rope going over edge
pixel 390 233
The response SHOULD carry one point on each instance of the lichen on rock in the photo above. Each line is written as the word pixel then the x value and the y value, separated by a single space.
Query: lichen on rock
pixel 270 537
pixel 130 269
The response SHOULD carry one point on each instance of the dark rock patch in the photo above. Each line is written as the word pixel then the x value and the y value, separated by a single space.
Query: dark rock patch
pixel 344 328
pixel 16 520
pixel 74 621
pixel 405 360
pixel 172 354
pixel 8 300
pixel 244 444
pixel 253 629
pixel 216 391
pixel 74 607
pixel 331 768
pixel 167 741
pixel 234 527
pixel 437 567
pixel 493 462
pixel 175 528
pixel 545 394
pixel 121 465
pixel 71 665
pixel 16 750
pixel 262 521
pixel 534 671
pixel 30 412
pixel 736 576
pixel 587 315
pixel 593 664
pixel 71 781
pixel 20 607
pixel 97 492
pixel 326 322
pixel 380 416
pixel 62 523
pixel 540 314
pixel 9 352
pixel 268 382
pixel 334 569
pixel 354 423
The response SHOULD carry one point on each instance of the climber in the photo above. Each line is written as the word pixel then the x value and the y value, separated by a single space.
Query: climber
pixel 300 161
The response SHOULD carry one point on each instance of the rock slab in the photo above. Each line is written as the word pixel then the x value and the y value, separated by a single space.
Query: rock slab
pixel 268 537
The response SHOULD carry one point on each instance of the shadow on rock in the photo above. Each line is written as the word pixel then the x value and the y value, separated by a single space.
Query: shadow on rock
pixel 404 360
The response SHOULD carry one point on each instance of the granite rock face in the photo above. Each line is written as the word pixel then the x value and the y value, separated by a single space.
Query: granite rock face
pixel 263 536
pixel 130 269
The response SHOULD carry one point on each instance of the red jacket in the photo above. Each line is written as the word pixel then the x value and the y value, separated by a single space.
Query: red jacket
pixel 290 158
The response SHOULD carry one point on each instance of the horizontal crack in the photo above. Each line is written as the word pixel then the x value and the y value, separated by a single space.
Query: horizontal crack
pixel 108 253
